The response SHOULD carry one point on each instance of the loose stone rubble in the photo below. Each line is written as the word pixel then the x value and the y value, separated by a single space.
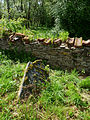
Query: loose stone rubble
pixel 19 37
pixel 71 42
pixel 34 75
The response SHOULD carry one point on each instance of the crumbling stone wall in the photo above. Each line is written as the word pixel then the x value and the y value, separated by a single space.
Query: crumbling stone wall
pixel 61 57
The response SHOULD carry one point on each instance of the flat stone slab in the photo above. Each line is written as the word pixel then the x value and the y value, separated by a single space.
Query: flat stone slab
pixel 35 74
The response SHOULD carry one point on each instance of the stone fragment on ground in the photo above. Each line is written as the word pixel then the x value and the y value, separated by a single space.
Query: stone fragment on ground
pixel 63 45
pixel 11 37
pixel 34 75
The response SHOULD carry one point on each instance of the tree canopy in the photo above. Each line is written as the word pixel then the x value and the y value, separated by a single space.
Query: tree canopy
pixel 70 15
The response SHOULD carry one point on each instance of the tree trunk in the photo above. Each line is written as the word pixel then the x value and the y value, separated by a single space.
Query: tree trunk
pixel 21 6
pixel 8 8
pixel 29 11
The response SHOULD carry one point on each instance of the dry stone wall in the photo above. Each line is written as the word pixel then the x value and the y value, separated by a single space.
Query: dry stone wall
pixel 62 56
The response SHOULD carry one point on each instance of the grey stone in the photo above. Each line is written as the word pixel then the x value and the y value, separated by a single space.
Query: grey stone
pixel 61 57
pixel 34 75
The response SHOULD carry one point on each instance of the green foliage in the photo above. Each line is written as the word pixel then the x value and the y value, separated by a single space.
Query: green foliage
pixel 17 26
pixel 13 25
pixel 60 98
pixel 85 83
pixel 73 16
pixel 55 91
pixel 63 36
pixel 8 75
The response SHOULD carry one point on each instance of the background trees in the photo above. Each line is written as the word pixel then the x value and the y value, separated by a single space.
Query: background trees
pixel 70 15
pixel 73 16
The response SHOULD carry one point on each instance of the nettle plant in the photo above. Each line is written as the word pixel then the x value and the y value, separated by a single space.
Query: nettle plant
pixel 10 24
pixel 60 34
pixel 63 36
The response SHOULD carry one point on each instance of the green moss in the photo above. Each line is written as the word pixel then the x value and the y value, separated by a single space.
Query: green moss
pixel 30 66
pixel 26 78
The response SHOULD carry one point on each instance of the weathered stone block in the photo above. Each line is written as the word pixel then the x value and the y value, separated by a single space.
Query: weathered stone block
pixel 41 39
pixel 47 42
pixel 78 42
pixel 57 42
pixel 35 74
pixel 86 43
pixel 19 35
pixel 26 40
pixel 70 42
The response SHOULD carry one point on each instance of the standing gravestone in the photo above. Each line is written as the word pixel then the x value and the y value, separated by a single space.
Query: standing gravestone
pixel 35 74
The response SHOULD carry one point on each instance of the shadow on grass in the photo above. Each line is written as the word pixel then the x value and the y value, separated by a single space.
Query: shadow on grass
pixel 24 57
pixel 15 55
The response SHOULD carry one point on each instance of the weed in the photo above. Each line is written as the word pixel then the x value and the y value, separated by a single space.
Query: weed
pixel 63 35
pixel 85 83
pixel 33 33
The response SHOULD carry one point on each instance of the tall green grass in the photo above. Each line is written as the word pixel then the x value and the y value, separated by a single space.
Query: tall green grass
pixel 61 98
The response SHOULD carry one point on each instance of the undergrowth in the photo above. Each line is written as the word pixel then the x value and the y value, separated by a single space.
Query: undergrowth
pixel 32 32
pixel 65 97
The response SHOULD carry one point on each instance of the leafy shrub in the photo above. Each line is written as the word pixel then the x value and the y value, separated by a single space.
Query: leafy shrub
pixel 73 16
pixel 63 35
pixel 13 25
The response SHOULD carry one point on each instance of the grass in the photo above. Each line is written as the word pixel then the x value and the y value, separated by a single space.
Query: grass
pixel 65 97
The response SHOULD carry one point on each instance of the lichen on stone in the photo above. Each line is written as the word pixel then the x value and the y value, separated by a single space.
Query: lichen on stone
pixel 34 75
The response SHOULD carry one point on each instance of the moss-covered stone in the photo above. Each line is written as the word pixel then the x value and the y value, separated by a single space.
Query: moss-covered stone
pixel 35 74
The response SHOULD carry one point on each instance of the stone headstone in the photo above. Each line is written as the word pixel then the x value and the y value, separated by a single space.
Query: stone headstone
pixel 35 74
